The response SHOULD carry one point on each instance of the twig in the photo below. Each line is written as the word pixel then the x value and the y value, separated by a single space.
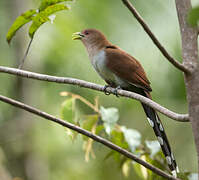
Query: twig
pixel 76 96
pixel 88 134
pixel 154 39
pixel 25 55
pixel 65 80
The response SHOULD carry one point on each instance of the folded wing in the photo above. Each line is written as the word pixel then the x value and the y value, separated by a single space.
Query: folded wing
pixel 127 68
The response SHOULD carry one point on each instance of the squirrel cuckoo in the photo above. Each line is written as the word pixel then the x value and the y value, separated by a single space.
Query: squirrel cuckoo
pixel 121 70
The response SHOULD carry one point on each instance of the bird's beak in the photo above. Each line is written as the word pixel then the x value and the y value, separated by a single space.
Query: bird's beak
pixel 77 36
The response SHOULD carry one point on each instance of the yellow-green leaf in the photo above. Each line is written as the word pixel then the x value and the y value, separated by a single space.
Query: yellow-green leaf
pixel 45 3
pixel 88 122
pixel 67 110
pixel 157 162
pixel 140 170
pixel 19 22
pixel 126 168
pixel 117 137
pixel 43 17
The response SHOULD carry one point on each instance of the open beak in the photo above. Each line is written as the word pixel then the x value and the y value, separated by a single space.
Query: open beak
pixel 77 36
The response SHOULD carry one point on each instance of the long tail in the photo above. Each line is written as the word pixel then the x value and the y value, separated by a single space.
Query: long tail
pixel 157 126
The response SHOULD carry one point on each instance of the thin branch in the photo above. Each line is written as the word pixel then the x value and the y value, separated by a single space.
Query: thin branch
pixel 25 55
pixel 88 134
pixel 65 80
pixel 153 37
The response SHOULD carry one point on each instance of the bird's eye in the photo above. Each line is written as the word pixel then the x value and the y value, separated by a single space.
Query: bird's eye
pixel 86 32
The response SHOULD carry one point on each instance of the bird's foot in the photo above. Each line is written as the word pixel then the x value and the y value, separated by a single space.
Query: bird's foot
pixel 115 91
pixel 105 91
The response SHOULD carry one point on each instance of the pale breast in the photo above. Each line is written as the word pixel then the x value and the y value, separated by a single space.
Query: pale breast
pixel 99 63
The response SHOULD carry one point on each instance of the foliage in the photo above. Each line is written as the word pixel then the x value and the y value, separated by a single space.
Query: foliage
pixel 50 154
pixel 19 22
pixel 37 16
pixel 103 122
pixel 193 16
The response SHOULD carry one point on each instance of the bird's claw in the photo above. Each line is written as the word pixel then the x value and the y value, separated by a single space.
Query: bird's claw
pixel 105 91
pixel 115 91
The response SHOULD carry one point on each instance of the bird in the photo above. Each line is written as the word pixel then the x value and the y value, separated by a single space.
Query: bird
pixel 120 70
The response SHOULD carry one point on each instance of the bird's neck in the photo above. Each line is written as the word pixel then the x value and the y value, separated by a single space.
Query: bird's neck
pixel 95 47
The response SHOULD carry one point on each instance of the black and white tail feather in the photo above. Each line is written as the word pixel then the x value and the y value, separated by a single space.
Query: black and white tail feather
pixel 157 126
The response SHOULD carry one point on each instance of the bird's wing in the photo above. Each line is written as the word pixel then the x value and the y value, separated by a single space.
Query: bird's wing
pixel 126 67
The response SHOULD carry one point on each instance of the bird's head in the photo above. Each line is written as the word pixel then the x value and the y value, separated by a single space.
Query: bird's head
pixel 91 38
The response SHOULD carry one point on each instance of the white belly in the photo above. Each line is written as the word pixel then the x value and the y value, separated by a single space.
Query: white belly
pixel 99 63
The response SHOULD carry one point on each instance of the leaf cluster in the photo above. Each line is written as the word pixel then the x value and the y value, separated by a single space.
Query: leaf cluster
pixel 104 122
pixel 37 17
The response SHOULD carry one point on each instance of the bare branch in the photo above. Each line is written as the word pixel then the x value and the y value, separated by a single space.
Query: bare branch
pixel 65 80
pixel 88 134
pixel 25 55
pixel 153 37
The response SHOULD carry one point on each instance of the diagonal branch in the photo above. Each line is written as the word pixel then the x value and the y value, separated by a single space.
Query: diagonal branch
pixel 65 80
pixel 154 39
pixel 25 55
pixel 88 134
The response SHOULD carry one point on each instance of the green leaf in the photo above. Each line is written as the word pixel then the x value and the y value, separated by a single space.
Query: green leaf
pixel 159 161
pixel 43 17
pixel 99 129
pixel 19 22
pixel 154 147
pixel 67 113
pixel 88 122
pixel 126 168
pixel 45 3
pixel 193 16
pixel 132 137
pixel 188 176
pixel 184 176
pixel 117 137
pixel 140 170
pixel 137 169
pixel 145 173
pixel 109 116
pixel 67 110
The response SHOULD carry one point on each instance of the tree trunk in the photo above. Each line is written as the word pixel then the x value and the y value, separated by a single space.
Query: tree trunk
pixel 190 59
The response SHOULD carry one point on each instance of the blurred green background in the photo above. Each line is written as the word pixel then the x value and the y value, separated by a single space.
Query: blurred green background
pixel 34 149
